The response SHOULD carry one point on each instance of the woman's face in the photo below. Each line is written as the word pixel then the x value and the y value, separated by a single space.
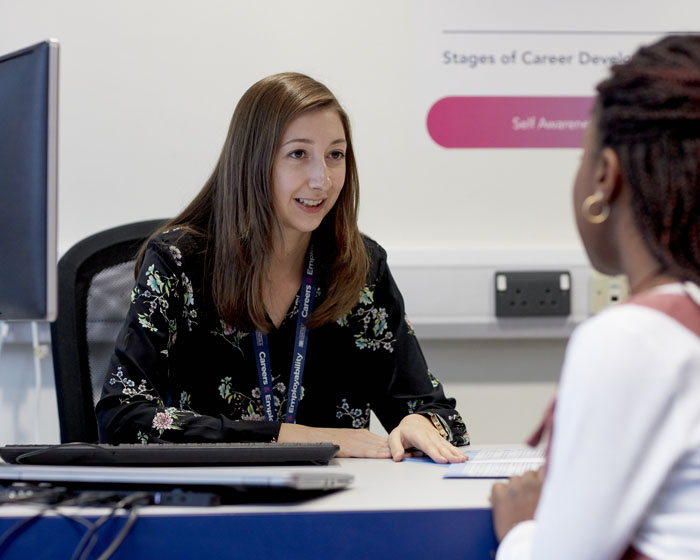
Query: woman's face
pixel 308 171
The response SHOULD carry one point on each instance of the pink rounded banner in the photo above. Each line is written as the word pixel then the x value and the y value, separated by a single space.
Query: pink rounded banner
pixel 509 122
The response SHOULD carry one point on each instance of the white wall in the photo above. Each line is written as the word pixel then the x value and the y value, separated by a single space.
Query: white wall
pixel 147 89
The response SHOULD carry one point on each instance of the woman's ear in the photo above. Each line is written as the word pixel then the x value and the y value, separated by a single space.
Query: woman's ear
pixel 607 177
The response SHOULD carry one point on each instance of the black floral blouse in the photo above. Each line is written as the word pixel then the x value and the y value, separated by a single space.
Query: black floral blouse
pixel 180 373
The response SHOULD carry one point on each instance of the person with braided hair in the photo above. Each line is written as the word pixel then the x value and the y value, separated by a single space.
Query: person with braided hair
pixel 622 478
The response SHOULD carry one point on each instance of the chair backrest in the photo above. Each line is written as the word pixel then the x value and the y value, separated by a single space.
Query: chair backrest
pixel 95 278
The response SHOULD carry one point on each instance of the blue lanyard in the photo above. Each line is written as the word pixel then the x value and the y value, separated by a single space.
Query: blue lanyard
pixel 301 342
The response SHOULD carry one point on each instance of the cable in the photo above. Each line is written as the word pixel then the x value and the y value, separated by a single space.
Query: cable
pixel 20 526
pixel 86 544
pixel 40 351
pixel 4 331
pixel 119 539
pixel 23 524
pixel 22 458
pixel 90 537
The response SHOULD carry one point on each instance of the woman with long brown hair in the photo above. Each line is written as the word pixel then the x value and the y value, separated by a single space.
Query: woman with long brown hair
pixel 623 475
pixel 261 313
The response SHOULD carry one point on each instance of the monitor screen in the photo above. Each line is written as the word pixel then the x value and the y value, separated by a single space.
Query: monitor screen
pixel 28 182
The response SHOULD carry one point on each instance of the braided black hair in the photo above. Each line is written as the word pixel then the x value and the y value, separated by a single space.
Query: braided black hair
pixel 648 112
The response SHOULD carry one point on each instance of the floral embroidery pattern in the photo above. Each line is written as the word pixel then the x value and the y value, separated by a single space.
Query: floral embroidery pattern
pixel 294 311
pixel 176 254
pixel 414 404
pixel 159 288
pixel 374 324
pixel 167 420
pixel 129 387
pixel 409 326
pixel 457 434
pixel 225 389
pixel 185 400
pixel 188 310
pixel 360 418
pixel 251 407
pixel 375 334
pixel 155 299
pixel 230 334
pixel 433 380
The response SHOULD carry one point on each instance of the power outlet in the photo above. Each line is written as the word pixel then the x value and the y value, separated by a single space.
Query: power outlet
pixel 607 290
pixel 533 293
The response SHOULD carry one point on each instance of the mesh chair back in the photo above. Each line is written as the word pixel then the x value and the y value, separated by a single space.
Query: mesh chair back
pixel 95 278
pixel 107 303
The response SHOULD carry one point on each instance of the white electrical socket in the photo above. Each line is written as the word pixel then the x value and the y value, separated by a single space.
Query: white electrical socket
pixel 607 290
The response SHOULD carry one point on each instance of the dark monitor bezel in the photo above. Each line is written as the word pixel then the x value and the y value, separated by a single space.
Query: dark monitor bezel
pixel 45 310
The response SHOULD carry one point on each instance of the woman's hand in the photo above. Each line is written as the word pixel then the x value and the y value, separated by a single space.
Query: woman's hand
pixel 515 501
pixel 353 443
pixel 417 431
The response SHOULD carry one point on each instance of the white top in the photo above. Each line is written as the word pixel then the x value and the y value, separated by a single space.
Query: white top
pixel 625 457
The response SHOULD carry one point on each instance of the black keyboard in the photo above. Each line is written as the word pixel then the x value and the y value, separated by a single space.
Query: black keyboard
pixel 171 454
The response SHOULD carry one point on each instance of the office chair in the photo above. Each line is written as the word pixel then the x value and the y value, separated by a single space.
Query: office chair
pixel 95 278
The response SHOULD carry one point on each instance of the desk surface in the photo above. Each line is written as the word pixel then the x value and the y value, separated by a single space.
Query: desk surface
pixel 381 484
pixel 391 508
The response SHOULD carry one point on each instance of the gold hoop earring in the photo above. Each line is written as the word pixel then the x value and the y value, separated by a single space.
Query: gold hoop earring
pixel 596 198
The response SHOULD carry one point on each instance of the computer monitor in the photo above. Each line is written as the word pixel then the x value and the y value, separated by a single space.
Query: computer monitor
pixel 28 183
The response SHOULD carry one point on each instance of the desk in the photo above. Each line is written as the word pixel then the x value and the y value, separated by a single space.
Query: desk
pixel 393 510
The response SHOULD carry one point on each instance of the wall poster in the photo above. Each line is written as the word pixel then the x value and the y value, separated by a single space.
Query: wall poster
pixel 518 75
